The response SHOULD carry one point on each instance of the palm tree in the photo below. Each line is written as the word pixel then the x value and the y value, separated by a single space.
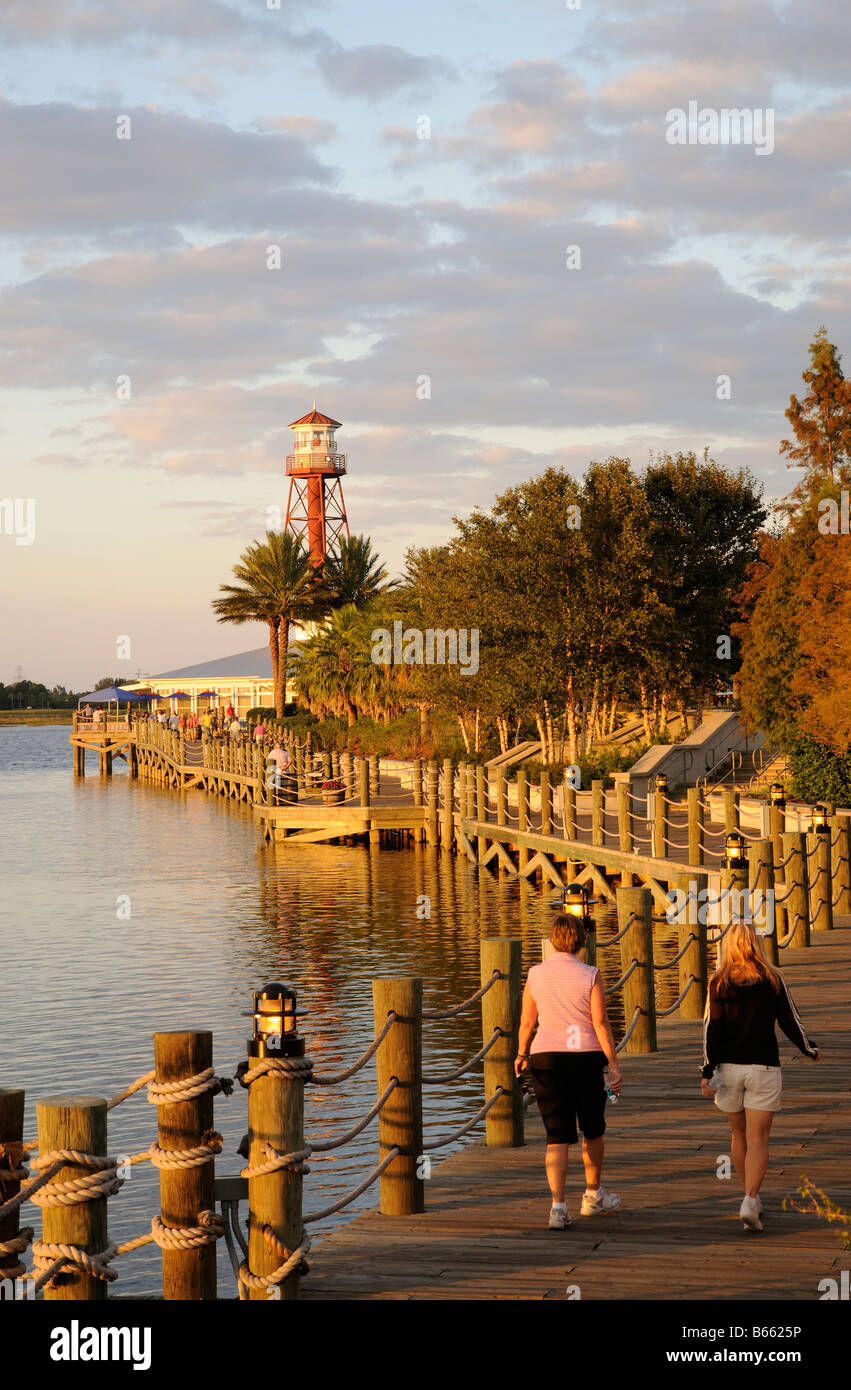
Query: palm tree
pixel 334 671
pixel 356 574
pixel 277 587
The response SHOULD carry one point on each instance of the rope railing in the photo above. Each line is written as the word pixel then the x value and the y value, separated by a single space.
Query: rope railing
pixel 355 1192
pixel 623 979
pixel 326 1145
pixel 470 1124
pixel 664 1013
pixel 630 1030
pixel 613 940
pixel 361 1061
pixel 439 1014
pixel 781 897
pixel 678 957
pixel 782 944
pixel 432 1080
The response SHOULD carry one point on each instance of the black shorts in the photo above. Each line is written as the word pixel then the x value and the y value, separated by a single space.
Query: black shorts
pixel 569 1088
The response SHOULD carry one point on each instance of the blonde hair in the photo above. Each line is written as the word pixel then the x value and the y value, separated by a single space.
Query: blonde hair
pixel 744 960
pixel 567 933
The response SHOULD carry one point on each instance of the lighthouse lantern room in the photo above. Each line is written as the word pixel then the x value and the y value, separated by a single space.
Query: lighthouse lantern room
pixel 316 510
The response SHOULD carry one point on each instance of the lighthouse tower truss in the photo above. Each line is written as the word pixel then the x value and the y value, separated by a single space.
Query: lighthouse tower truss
pixel 316 510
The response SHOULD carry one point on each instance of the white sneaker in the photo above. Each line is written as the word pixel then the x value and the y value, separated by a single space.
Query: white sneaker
pixel 749 1212
pixel 595 1206
pixel 559 1218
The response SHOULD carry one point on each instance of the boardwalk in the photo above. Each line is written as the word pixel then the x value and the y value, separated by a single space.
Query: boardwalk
pixel 484 1234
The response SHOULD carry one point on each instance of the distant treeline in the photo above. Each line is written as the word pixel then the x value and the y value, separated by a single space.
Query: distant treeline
pixel 32 695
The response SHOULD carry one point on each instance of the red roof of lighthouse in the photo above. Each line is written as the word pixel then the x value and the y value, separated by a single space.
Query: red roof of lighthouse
pixel 315 418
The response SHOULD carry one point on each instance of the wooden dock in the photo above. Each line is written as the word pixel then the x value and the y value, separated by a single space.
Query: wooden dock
pixel 677 1237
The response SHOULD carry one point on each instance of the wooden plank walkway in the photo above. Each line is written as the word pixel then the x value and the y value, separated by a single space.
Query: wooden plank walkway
pixel 677 1236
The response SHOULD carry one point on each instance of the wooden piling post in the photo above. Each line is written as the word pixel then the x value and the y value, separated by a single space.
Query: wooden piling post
pixel 821 883
pixel 363 781
pixel 693 961
pixel 374 775
pixel 447 830
pixel 797 878
pixel 637 944
pixel 731 810
pixel 695 825
pixel 840 858
pixel 418 790
pixel 11 1136
pixel 431 802
pixel 546 803
pixel 660 829
pixel 522 816
pixel 598 831
pixel 471 790
pixel 299 770
pixel 462 790
pixel 569 811
pixel 777 828
pixel 400 1122
pixel 276 1117
pixel 734 894
pixel 761 887
pixel 501 817
pixel 625 842
pixel 501 1009
pixel 481 810
pixel 624 819
pixel 188 1275
pixel 74 1122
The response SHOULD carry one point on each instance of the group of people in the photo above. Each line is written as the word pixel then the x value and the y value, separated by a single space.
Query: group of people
pixel 566 1047
pixel 212 723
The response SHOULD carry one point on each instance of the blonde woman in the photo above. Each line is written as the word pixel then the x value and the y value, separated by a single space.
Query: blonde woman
pixel 566 1061
pixel 746 998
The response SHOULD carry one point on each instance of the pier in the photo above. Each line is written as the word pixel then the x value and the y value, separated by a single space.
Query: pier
pixel 483 1234
pixel 668 875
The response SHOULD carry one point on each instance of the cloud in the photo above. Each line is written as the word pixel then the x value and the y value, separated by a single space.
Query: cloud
pixel 378 70
pixel 65 165
pixel 101 22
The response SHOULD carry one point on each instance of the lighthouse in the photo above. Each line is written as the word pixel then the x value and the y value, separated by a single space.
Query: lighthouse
pixel 315 507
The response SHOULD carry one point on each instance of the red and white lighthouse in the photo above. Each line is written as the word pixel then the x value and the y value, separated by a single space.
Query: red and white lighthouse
pixel 315 507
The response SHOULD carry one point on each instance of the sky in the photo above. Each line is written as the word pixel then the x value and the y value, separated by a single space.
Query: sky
pixel 423 171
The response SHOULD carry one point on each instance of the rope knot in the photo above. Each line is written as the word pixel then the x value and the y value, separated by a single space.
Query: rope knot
pixel 188 1087
pixel 210 1144
pixel 293 1261
pixel 102 1180
pixel 210 1227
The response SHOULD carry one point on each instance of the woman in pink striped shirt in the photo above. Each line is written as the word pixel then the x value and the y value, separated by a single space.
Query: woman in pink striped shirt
pixel 566 1062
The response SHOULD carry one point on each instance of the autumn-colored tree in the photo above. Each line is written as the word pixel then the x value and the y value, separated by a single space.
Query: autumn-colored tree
pixel 821 420
pixel 796 611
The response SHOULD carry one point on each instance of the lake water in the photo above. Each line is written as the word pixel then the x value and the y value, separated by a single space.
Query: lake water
pixel 215 915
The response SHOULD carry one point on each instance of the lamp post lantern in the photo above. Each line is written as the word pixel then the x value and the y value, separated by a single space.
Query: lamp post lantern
pixel 735 854
pixel 275 1017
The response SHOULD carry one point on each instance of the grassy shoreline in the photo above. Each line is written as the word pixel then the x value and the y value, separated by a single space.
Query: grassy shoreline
pixel 35 716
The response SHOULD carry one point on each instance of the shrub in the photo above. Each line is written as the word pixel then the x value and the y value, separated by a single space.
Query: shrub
pixel 819 774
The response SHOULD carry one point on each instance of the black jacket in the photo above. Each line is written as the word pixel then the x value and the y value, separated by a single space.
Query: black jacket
pixel 739 1026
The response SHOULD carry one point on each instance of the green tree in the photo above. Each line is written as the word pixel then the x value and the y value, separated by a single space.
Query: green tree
pixel 703 520
pixel 276 586
pixel 355 574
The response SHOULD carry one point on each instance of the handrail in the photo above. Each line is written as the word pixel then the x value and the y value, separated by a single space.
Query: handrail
pixel 704 780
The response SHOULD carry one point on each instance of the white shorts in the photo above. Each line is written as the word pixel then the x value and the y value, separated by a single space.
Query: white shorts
pixel 746 1086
